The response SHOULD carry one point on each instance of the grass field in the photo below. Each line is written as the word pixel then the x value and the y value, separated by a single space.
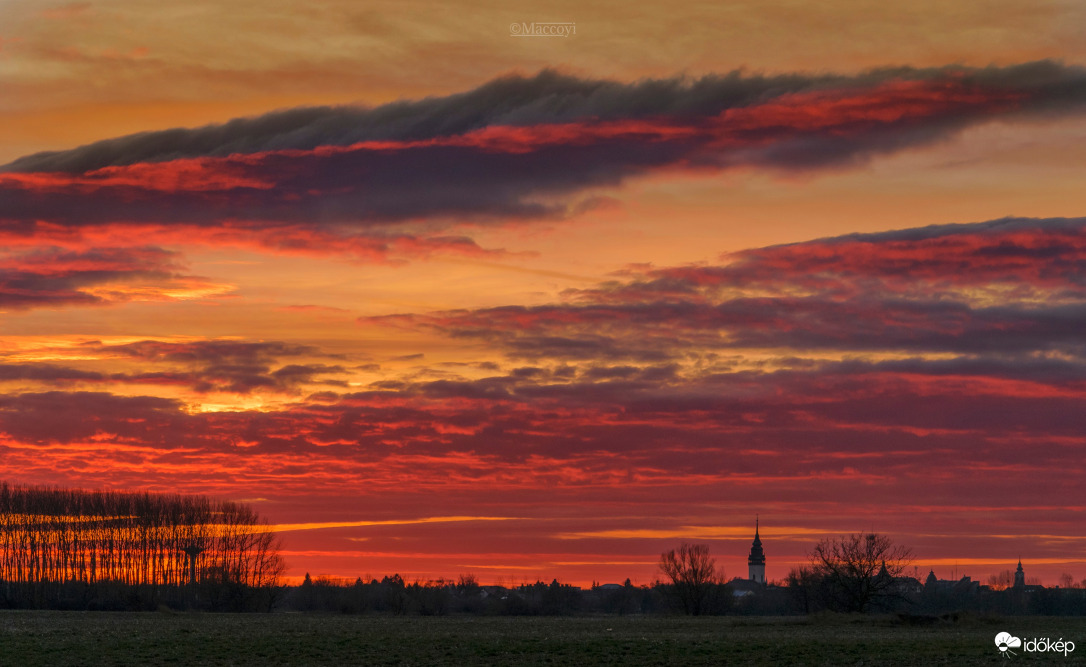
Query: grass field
pixel 101 638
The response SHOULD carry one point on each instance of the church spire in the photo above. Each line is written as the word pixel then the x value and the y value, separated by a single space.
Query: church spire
pixel 756 560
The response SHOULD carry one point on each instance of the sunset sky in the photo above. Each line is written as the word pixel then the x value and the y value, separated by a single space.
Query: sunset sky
pixel 438 299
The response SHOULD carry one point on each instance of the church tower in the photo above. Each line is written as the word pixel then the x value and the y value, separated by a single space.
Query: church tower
pixel 756 561
pixel 1019 576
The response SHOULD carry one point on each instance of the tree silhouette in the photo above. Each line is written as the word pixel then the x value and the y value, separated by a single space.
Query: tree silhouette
pixel 692 573
pixel 1001 581
pixel 858 571
pixel 51 536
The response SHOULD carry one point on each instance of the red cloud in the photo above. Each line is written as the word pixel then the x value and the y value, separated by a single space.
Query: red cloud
pixel 828 441
pixel 56 277
pixel 366 193
pixel 1008 286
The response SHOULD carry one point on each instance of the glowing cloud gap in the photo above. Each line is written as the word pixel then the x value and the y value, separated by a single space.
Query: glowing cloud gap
pixel 286 527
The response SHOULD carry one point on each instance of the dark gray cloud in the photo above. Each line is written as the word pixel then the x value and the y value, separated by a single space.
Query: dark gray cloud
pixel 548 97
pixel 205 351
pixel 239 367
pixel 501 152
pixel 47 373
pixel 223 365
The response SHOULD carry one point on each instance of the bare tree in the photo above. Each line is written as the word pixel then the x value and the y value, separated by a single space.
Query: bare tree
pixel 802 584
pixel 51 536
pixel 1001 581
pixel 858 571
pixel 692 572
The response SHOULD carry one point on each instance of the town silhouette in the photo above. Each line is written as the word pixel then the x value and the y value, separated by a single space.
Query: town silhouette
pixel 88 550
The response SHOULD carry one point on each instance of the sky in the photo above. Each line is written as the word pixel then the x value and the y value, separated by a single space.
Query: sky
pixel 437 298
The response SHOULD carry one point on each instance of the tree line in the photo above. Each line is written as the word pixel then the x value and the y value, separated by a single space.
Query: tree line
pixel 75 549
pixel 465 595
pixel 856 573
pixel 392 595
pixel 55 541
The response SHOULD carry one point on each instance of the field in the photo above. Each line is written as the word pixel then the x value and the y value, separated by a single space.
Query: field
pixel 100 638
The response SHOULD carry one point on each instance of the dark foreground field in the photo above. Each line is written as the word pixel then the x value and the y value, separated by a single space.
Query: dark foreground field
pixel 102 638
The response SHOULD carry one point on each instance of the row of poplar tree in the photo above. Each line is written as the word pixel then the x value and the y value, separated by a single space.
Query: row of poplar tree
pixel 132 539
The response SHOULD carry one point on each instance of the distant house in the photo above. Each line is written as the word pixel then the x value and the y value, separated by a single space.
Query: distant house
pixel 908 585
pixel 744 587
pixel 935 587
pixel 496 592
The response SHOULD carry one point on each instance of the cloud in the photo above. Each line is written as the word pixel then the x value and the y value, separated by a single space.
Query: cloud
pixel 72 417
pixel 203 351
pixel 855 357
pixel 1011 287
pixel 51 277
pixel 239 367
pixel 552 98
pixel 802 436
pixel 46 373
pixel 202 366
pixel 517 149
pixel 767 429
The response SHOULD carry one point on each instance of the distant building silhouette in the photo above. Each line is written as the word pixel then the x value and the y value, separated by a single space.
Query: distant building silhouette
pixel 1019 576
pixel 756 560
